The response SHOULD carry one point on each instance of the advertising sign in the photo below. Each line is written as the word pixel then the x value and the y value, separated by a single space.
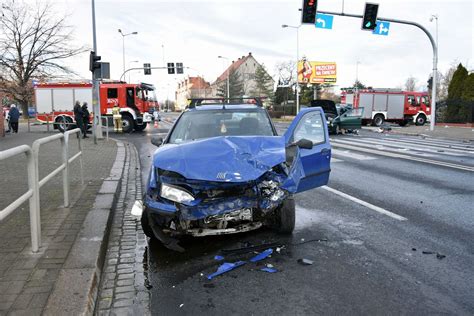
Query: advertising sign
pixel 316 72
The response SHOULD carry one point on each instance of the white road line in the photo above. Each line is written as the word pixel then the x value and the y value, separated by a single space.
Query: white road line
pixel 353 155
pixel 366 204
pixel 335 159
pixel 395 155
pixel 433 141
pixel 420 148
pixel 423 144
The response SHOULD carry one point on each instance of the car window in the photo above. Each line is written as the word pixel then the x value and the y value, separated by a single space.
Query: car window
pixel 310 127
pixel 229 122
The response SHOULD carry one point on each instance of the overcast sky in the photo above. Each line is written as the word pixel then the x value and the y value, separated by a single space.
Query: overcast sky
pixel 196 32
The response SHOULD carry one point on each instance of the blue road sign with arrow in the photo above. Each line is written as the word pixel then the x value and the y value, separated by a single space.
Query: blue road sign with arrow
pixel 324 21
pixel 382 28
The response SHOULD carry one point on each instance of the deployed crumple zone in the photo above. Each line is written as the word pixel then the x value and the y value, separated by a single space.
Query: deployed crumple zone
pixel 208 180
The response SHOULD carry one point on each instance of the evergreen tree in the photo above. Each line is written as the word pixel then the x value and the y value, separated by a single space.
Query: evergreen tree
pixel 359 85
pixel 455 92
pixel 466 112
pixel 236 86
pixel 263 83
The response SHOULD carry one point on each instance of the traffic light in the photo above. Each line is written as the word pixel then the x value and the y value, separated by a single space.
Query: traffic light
pixel 94 62
pixel 308 15
pixel 179 68
pixel 430 83
pixel 369 21
pixel 147 69
pixel 170 68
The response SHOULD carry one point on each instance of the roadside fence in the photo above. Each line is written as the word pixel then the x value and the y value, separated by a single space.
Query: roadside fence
pixel 35 183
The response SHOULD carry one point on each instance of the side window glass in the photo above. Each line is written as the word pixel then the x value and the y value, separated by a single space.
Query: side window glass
pixel 310 127
pixel 418 100
pixel 411 99
pixel 112 93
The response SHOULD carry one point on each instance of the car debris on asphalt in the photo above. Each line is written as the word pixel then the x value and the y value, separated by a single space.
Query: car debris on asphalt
pixel 262 255
pixel 305 262
pixel 225 267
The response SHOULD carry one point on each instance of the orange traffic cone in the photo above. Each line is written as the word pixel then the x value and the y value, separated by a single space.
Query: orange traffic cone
pixel 156 124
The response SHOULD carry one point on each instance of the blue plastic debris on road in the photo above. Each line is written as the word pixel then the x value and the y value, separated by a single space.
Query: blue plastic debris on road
pixel 225 267
pixel 270 270
pixel 262 255
pixel 218 258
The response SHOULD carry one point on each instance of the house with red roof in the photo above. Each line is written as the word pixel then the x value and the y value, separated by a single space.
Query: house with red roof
pixel 191 87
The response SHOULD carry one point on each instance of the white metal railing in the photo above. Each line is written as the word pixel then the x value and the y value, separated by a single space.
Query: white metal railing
pixel 34 182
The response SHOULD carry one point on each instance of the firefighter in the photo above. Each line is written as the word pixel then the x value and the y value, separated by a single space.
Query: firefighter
pixel 117 118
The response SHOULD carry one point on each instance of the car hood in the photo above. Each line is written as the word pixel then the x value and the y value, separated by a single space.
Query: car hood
pixel 222 159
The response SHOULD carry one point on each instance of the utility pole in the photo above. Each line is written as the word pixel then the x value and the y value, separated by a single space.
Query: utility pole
pixel 97 122
pixel 433 45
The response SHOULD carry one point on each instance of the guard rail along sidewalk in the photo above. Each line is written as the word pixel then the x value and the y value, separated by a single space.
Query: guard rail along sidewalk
pixel 35 183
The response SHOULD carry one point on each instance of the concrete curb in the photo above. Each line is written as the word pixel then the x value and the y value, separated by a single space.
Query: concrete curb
pixel 76 290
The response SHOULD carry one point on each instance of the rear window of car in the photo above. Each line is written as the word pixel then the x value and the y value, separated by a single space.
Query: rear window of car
pixel 229 122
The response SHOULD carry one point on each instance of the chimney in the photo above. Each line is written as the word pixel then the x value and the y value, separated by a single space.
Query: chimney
pixel 250 53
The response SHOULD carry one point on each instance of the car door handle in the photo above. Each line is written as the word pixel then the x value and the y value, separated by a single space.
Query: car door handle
pixel 324 151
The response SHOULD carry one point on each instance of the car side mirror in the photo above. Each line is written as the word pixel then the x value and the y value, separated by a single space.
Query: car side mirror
pixel 157 141
pixel 304 143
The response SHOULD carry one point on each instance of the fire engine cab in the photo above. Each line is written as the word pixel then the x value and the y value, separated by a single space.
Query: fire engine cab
pixel 55 102
pixel 391 105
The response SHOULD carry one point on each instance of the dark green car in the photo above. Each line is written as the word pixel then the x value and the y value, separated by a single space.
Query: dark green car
pixel 341 118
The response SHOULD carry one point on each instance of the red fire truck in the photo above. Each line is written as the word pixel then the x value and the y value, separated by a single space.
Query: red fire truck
pixel 55 102
pixel 391 105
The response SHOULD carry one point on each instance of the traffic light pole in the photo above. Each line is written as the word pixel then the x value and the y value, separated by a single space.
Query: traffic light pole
pixel 435 55
pixel 139 68
pixel 97 122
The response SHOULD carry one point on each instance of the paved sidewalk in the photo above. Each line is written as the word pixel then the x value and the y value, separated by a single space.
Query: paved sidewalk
pixel 449 132
pixel 28 279
pixel 124 284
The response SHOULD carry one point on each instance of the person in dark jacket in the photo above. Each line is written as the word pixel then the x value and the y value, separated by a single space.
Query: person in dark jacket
pixel 79 117
pixel 14 115
pixel 86 118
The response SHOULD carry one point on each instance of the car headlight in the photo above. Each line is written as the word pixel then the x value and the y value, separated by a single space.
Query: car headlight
pixel 175 194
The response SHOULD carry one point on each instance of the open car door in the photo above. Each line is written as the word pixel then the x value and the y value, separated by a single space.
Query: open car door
pixel 310 167
pixel 351 119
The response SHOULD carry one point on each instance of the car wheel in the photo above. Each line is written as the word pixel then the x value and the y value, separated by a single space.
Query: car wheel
pixel 420 120
pixel 63 123
pixel 140 128
pixel 146 225
pixel 285 217
pixel 378 120
pixel 127 123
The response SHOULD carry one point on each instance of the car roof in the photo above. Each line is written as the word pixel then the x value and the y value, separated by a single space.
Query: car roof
pixel 220 106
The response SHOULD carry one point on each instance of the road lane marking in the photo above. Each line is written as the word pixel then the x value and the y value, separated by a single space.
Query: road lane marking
pixel 366 204
pixel 349 154
pixel 396 155
pixel 335 159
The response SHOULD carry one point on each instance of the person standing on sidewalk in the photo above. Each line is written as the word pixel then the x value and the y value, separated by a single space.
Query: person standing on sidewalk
pixel 86 117
pixel 117 118
pixel 79 117
pixel 14 115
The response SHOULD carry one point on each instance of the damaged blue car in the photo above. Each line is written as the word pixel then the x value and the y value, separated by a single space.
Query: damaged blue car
pixel 223 169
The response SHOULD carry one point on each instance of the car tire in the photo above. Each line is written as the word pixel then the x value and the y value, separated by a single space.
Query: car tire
pixel 285 217
pixel 140 128
pixel 378 120
pixel 127 123
pixel 63 123
pixel 146 225
pixel 420 120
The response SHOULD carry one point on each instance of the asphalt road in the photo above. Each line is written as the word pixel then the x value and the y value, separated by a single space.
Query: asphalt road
pixel 390 198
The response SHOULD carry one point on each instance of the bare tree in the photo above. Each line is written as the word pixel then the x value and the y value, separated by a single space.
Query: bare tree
pixel 33 43
pixel 410 84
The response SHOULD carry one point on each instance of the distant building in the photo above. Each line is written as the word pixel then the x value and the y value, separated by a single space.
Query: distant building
pixel 191 87
pixel 245 66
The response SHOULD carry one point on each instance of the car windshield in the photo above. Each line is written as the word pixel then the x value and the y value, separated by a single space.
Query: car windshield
pixel 229 122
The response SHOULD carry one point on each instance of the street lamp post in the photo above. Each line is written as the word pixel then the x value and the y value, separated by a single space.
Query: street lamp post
pixel 297 60
pixel 228 74
pixel 129 73
pixel 435 79
pixel 123 44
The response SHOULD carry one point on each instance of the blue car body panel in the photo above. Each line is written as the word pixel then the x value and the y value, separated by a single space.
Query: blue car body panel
pixel 227 160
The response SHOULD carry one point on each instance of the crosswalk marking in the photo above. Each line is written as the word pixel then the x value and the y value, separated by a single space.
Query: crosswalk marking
pixel 350 154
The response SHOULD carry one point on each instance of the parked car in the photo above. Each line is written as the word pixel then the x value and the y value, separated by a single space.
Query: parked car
pixel 341 117
pixel 223 169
